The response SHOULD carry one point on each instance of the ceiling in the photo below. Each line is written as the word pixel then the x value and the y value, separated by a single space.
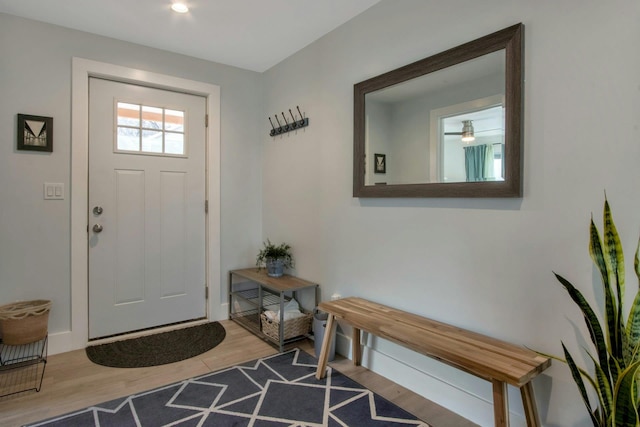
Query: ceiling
pixel 250 34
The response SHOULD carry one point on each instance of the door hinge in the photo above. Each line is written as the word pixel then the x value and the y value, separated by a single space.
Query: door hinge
pixel 206 120
pixel 206 206
pixel 206 292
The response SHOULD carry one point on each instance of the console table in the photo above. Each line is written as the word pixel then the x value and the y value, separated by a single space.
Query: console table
pixel 496 361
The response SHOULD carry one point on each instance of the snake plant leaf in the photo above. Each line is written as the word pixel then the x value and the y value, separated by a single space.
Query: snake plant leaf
pixel 626 397
pixel 601 260
pixel 615 368
pixel 615 257
pixel 597 255
pixel 596 252
pixel 582 372
pixel 604 388
pixel 633 322
pixel 636 261
pixel 577 378
pixel 593 324
pixel 614 250
pixel 627 349
pixel 633 331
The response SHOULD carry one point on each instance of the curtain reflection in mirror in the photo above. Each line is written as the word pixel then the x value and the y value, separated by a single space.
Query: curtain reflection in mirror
pixel 478 162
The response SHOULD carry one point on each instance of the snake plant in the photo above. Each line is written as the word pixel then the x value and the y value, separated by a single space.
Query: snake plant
pixel 616 342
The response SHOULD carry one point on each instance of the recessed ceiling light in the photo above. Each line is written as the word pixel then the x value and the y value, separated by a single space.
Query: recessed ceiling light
pixel 179 7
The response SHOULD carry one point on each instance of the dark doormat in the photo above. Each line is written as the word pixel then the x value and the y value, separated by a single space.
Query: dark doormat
pixel 158 349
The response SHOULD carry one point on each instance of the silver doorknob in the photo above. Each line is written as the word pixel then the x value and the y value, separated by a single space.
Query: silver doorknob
pixel 97 228
pixel 97 210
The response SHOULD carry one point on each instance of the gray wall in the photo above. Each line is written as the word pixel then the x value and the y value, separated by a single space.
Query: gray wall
pixel 480 264
pixel 35 78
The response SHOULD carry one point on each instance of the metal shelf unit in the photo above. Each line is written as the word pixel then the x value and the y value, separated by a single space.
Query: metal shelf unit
pixel 252 291
pixel 22 367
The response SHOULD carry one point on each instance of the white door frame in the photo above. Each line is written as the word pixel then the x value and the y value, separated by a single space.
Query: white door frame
pixel 82 69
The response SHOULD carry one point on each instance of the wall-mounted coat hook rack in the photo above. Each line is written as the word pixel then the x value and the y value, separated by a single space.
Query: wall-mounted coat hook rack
pixel 286 125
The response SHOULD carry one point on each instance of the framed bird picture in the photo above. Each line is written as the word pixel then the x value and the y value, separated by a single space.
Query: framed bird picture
pixel 35 133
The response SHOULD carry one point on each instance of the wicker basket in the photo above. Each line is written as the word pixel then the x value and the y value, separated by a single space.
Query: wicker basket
pixel 292 327
pixel 24 322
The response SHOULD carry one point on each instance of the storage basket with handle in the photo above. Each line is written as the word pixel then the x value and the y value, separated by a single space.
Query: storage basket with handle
pixel 24 322
pixel 292 327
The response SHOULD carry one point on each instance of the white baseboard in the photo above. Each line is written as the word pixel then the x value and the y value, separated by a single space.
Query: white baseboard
pixel 224 312
pixel 61 342
pixel 475 406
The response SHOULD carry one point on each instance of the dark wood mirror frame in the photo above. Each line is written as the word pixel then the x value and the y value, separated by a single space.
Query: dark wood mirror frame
pixel 511 40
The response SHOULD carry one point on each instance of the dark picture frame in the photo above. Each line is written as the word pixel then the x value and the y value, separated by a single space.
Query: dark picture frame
pixel 379 163
pixel 35 133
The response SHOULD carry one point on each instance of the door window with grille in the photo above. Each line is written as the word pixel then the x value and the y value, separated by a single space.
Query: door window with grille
pixel 145 129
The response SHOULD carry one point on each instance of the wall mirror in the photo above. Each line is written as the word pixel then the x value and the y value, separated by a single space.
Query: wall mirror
pixel 449 125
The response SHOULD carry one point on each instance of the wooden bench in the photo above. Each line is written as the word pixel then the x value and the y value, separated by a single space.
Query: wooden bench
pixel 494 360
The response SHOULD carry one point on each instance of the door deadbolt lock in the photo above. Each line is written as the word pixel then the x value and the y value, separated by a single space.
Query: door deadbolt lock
pixel 97 228
pixel 97 210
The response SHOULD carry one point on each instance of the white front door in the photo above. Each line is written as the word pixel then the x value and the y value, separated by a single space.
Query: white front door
pixel 146 207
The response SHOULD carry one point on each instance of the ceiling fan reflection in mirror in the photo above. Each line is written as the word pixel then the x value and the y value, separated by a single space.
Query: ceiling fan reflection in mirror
pixel 485 122
pixel 467 131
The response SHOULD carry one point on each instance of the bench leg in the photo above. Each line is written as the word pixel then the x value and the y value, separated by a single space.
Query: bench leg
pixel 500 403
pixel 529 403
pixel 356 350
pixel 326 345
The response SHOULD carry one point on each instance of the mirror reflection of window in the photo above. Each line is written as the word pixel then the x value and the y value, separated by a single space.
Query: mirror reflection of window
pixel 472 145
pixel 399 119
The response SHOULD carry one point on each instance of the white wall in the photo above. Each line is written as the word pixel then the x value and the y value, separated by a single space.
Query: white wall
pixel 429 256
pixel 35 78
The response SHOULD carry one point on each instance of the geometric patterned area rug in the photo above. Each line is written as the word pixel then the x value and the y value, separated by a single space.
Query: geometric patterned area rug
pixel 275 391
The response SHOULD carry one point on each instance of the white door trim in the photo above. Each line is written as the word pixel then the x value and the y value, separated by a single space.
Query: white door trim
pixel 82 69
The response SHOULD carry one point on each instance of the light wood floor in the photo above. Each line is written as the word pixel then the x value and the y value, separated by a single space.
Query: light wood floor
pixel 72 382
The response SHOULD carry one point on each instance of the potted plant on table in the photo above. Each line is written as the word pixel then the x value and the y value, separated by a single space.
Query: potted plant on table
pixel 616 361
pixel 275 257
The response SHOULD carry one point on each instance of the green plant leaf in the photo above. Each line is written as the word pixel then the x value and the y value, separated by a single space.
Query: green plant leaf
pixel 633 322
pixel 593 324
pixel 615 368
pixel 615 257
pixel 597 254
pixel 604 387
pixel 633 331
pixel 636 261
pixel 626 397
pixel 597 413
pixel 584 373
pixel 611 312
pixel 614 250
pixel 577 378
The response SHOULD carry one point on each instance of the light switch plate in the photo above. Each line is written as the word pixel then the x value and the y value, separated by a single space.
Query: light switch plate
pixel 53 191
